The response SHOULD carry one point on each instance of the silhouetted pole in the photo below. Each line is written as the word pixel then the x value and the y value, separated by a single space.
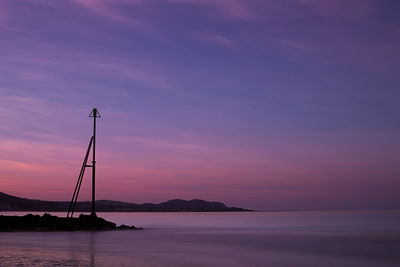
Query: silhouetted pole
pixel 95 114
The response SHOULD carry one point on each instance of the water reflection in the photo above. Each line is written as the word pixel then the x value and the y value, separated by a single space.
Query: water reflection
pixel 82 247
pixel 218 239
pixel 92 236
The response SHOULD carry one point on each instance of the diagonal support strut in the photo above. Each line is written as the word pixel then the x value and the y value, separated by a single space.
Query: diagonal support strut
pixel 74 199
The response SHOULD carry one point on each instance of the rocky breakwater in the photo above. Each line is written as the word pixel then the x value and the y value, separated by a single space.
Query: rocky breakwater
pixel 48 222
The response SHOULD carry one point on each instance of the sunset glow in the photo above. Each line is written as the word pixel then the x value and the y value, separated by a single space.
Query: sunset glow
pixel 257 104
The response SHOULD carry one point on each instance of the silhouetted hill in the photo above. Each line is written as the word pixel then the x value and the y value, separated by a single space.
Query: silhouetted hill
pixel 12 203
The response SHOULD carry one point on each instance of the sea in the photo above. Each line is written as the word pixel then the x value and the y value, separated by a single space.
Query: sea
pixel 306 238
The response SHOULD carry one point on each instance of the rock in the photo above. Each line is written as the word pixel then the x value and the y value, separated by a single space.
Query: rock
pixel 126 227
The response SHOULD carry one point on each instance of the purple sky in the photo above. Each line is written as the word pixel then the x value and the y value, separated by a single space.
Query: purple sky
pixel 258 104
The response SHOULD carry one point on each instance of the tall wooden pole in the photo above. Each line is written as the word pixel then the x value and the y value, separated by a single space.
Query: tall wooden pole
pixel 95 114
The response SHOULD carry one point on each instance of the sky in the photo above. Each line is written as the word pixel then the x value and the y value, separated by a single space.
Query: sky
pixel 267 105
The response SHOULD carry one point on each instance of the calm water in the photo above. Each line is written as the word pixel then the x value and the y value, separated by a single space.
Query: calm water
pixel 364 238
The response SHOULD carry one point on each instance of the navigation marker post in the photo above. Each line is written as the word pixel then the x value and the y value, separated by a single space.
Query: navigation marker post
pixel 95 114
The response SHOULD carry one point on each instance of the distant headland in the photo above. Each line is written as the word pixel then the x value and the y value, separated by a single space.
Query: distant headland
pixel 13 203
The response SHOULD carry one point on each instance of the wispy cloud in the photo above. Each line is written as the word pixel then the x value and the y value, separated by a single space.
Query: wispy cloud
pixel 3 13
pixel 341 9
pixel 112 10
pixel 215 38
pixel 138 71
pixel 58 60
pixel 239 9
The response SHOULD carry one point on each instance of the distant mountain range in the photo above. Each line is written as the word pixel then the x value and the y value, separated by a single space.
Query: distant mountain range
pixel 13 203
